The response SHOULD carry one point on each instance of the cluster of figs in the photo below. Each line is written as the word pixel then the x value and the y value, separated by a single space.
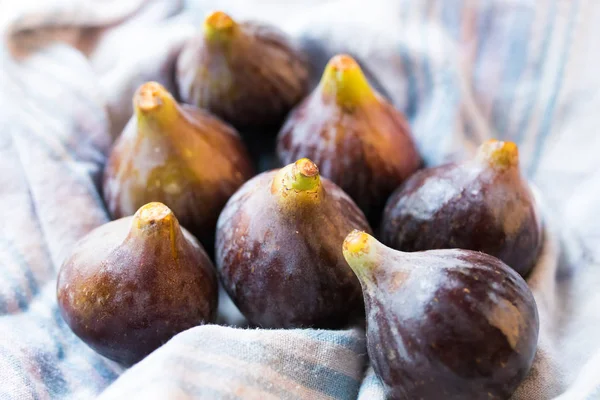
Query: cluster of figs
pixel 448 313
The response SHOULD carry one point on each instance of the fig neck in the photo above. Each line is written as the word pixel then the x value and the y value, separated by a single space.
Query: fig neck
pixel 156 110
pixel 344 82
pixel 156 222
pixel 298 185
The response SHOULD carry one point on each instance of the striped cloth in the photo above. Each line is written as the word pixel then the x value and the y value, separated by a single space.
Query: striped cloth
pixel 462 71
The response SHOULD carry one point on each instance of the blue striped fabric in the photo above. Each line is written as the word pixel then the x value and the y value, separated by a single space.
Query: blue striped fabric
pixel 262 364
pixel 462 71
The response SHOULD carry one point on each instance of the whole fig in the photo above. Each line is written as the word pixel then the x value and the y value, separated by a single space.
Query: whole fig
pixel 178 155
pixel 132 284
pixel 247 73
pixel 279 251
pixel 482 204
pixel 345 122
pixel 444 324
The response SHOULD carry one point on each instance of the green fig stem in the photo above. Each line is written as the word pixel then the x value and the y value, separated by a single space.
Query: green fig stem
pixel 153 104
pixel 499 155
pixel 219 27
pixel 360 251
pixel 299 180
pixel 155 218
pixel 344 79
pixel 305 175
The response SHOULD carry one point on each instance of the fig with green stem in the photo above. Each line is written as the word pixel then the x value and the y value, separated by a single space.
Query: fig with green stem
pixel 178 155
pixel 482 204
pixel 444 324
pixel 279 252
pixel 248 73
pixel 346 122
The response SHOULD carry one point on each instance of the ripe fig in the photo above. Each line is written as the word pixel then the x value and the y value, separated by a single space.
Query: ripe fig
pixel 132 284
pixel 247 73
pixel 279 252
pixel 346 122
pixel 178 155
pixel 482 204
pixel 444 324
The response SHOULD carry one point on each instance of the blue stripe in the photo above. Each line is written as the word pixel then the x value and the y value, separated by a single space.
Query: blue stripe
pixel 427 71
pixel 19 372
pixel 537 75
pixel 195 365
pixel 515 62
pixel 409 70
pixel 196 390
pixel 30 280
pixel 96 362
pixel 15 282
pixel 51 375
pixel 545 127
pixel 448 94
pixel 485 26
pixel 99 365
pixel 347 340
pixel 3 304
pixel 331 383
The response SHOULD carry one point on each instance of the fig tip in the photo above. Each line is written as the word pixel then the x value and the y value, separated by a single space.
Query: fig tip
pixel 360 254
pixel 499 154
pixel 300 177
pixel 304 175
pixel 307 168
pixel 343 79
pixel 153 213
pixel 218 24
pixel 357 243
pixel 149 96
pixel 343 62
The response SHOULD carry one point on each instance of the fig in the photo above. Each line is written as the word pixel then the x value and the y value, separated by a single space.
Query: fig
pixel 248 73
pixel 278 250
pixel 178 155
pixel 444 324
pixel 346 122
pixel 130 285
pixel 481 204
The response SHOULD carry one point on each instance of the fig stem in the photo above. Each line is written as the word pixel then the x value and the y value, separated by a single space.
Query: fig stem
pixel 298 184
pixel 305 175
pixel 360 253
pixel 152 102
pixel 344 79
pixel 498 154
pixel 156 217
pixel 218 26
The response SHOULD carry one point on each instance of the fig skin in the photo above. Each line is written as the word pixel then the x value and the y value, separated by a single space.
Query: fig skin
pixel 247 73
pixel 132 284
pixel 346 122
pixel 482 204
pixel 451 324
pixel 178 155
pixel 279 250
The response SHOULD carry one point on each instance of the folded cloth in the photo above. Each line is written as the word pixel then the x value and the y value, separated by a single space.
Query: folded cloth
pixel 461 71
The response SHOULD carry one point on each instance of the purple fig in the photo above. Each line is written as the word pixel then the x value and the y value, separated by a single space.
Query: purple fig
pixel 247 73
pixel 178 155
pixel 345 122
pixel 482 204
pixel 279 252
pixel 444 324
pixel 132 284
